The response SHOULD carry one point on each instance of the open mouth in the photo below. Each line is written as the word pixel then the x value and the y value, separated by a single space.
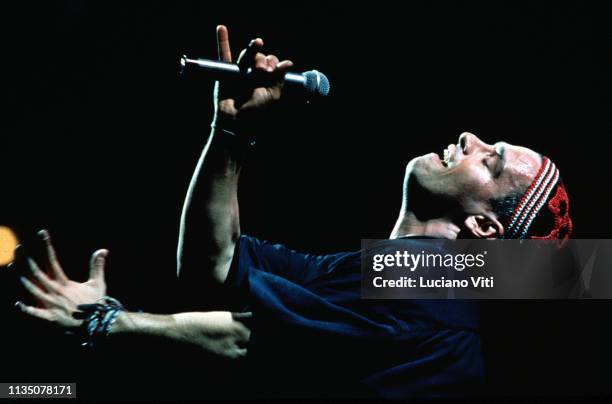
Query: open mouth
pixel 447 155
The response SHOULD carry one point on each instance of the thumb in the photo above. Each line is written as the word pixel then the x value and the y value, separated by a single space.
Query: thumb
pixel 96 265
pixel 281 69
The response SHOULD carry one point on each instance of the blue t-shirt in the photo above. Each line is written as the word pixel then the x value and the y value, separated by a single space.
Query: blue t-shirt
pixel 313 335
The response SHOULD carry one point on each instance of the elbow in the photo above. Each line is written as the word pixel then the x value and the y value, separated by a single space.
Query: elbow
pixel 207 248
pixel 208 262
pixel 228 339
pixel 236 341
pixel 235 353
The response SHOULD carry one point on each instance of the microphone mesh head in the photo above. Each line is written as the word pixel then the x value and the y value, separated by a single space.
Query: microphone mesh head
pixel 316 82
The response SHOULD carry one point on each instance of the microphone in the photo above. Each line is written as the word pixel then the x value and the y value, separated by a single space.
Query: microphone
pixel 313 82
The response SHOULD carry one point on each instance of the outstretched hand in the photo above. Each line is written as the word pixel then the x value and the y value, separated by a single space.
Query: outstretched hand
pixel 56 295
pixel 235 99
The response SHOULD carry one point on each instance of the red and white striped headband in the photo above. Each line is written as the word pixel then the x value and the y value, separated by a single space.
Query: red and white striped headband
pixel 532 201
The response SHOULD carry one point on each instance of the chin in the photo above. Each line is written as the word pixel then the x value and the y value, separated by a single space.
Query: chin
pixel 424 166
pixel 425 179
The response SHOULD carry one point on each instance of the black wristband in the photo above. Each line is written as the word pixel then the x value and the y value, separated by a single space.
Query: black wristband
pixel 232 131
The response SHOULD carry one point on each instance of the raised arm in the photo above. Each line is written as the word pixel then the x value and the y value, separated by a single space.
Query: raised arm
pixel 210 224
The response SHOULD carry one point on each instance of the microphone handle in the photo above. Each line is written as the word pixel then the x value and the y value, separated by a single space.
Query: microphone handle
pixel 222 70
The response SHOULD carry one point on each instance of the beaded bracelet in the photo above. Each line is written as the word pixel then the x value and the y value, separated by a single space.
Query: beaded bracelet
pixel 99 318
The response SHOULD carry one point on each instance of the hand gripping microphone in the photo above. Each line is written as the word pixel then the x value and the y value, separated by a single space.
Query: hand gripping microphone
pixel 313 81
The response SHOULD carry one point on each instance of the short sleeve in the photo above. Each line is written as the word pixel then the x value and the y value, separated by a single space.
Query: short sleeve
pixel 255 257
pixel 276 259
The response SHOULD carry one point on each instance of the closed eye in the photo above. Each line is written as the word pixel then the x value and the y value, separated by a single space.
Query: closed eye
pixel 500 152
pixel 494 163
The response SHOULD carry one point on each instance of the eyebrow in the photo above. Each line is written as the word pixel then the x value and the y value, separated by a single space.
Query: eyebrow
pixel 500 150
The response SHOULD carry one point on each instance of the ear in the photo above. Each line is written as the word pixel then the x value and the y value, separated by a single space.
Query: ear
pixel 484 226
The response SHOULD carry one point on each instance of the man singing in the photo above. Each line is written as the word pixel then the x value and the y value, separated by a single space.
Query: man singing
pixel 298 319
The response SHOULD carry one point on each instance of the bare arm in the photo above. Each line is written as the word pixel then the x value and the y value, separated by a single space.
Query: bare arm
pixel 219 333
pixel 210 224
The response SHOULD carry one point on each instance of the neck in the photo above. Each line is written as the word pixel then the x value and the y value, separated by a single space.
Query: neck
pixel 409 225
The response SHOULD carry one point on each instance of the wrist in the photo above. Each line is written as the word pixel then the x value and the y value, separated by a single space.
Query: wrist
pixel 122 324
pixel 99 319
pixel 230 127
pixel 225 120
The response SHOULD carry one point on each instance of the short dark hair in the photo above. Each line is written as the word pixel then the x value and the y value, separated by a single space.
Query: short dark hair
pixel 504 207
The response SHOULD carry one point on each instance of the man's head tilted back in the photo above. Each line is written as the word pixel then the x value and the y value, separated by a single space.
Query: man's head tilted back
pixel 484 191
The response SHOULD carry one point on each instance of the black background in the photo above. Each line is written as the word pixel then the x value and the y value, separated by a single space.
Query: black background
pixel 101 135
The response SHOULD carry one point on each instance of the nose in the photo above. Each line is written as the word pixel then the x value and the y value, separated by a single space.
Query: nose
pixel 470 143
